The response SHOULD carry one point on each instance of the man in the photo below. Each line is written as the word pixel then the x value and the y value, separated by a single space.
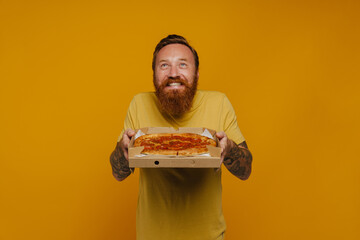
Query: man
pixel 181 203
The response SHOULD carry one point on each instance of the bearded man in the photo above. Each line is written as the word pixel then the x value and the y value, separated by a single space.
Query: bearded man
pixel 181 203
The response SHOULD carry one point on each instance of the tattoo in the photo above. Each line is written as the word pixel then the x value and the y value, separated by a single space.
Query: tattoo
pixel 243 144
pixel 238 161
pixel 119 164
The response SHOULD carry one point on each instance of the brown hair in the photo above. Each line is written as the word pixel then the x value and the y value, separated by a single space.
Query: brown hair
pixel 173 39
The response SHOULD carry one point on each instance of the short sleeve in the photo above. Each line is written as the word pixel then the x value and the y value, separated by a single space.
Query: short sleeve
pixel 129 119
pixel 231 127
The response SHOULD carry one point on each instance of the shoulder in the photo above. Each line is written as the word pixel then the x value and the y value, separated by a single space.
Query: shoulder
pixel 211 95
pixel 143 97
pixel 143 102
pixel 214 97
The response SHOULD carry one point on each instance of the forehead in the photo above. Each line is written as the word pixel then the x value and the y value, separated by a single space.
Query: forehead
pixel 174 52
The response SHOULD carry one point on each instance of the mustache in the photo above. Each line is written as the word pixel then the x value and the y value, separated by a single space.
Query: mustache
pixel 175 80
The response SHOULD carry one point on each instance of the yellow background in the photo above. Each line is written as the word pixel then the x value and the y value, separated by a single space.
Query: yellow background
pixel 68 70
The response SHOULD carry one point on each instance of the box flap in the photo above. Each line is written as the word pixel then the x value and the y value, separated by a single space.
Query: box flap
pixel 191 130
pixel 133 151
pixel 214 151
pixel 160 130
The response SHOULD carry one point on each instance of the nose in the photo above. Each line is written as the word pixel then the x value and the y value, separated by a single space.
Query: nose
pixel 173 73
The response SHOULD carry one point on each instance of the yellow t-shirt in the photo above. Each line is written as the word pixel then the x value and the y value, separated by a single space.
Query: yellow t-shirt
pixel 182 203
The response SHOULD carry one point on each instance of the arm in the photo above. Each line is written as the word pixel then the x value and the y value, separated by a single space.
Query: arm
pixel 236 158
pixel 119 157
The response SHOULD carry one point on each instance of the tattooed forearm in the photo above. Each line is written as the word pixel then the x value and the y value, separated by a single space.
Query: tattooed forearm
pixel 238 161
pixel 119 164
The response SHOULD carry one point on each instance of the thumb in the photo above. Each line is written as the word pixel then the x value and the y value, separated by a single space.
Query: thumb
pixel 220 135
pixel 131 133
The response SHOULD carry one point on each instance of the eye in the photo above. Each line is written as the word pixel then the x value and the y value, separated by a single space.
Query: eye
pixel 183 65
pixel 164 65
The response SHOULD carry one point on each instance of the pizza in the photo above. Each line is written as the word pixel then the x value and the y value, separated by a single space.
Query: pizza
pixel 184 144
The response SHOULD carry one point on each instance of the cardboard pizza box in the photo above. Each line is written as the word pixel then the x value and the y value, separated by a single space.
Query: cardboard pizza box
pixel 136 159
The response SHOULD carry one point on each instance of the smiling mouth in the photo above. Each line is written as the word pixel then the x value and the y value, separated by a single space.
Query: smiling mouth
pixel 174 84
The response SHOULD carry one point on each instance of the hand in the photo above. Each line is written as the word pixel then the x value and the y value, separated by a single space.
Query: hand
pixel 225 143
pixel 124 142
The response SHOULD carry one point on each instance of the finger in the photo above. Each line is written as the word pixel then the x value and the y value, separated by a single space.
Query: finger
pixel 223 142
pixel 126 155
pixel 125 140
pixel 218 169
pixel 220 135
pixel 221 161
pixel 127 135
pixel 124 148
pixel 131 133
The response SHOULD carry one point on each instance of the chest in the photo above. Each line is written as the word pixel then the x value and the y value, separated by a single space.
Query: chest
pixel 204 116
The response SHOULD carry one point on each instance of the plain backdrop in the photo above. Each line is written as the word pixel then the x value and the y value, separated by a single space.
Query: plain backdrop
pixel 69 69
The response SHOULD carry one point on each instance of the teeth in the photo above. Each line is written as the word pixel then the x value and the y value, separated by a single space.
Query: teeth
pixel 174 84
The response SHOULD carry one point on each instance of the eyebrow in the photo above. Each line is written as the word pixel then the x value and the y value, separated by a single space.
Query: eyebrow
pixel 181 59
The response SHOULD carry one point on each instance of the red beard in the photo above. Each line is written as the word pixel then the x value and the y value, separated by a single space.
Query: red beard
pixel 176 102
